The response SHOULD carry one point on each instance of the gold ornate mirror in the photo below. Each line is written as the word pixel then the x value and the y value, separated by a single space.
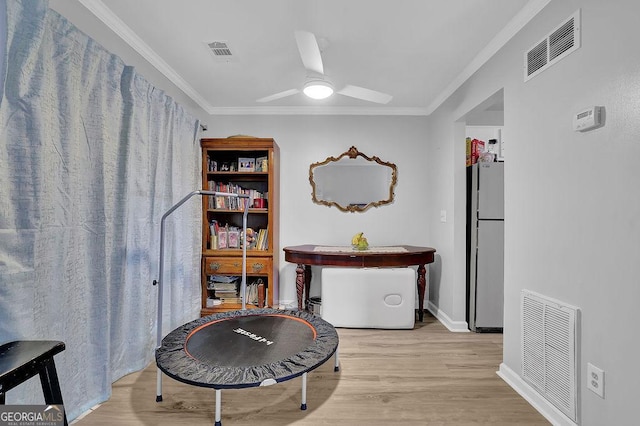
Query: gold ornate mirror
pixel 352 182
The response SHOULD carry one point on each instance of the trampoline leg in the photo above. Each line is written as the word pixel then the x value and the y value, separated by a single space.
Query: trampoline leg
pixel 303 406
pixel 159 386
pixel 218 407
pixel 336 365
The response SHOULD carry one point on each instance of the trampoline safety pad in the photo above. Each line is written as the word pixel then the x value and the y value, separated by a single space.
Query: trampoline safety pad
pixel 245 348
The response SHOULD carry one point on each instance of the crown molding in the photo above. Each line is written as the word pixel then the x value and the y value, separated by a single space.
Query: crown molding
pixel 522 18
pixel 316 111
pixel 122 30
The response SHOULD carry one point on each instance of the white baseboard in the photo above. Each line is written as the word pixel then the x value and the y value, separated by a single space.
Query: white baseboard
pixel 455 326
pixel 544 407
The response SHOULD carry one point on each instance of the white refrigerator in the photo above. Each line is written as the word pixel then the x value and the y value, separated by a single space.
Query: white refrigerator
pixel 486 257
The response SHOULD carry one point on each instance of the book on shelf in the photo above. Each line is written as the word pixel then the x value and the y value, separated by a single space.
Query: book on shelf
pixel 261 294
pixel 226 296
pixel 223 282
pixel 262 240
pixel 223 287
pixel 213 230
pixel 228 202
pixel 256 293
pixel 224 278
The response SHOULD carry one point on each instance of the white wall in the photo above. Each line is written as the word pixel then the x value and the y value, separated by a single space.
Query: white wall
pixel 572 216
pixel 304 140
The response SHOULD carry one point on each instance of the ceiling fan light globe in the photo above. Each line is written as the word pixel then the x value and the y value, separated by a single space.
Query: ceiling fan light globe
pixel 318 89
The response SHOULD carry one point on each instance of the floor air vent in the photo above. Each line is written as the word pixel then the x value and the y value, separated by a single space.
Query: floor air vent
pixel 555 46
pixel 549 332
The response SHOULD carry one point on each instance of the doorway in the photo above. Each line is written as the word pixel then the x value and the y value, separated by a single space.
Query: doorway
pixel 485 192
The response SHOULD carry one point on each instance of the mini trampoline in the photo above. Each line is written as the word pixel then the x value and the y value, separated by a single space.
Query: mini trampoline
pixel 248 348
pixel 241 349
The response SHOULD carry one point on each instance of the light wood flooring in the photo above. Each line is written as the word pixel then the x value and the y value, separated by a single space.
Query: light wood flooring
pixel 424 376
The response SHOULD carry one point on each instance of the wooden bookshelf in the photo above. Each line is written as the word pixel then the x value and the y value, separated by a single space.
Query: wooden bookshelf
pixel 239 165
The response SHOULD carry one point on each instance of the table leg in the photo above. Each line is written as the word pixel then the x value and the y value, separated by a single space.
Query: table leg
pixel 307 286
pixel 300 284
pixel 422 284
pixel 303 285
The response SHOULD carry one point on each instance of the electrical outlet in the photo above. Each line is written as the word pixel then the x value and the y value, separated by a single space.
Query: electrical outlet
pixel 595 380
pixel 443 216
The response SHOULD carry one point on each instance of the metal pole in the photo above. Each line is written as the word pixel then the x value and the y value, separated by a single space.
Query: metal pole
pixel 243 284
pixel 159 282
pixel 218 414
pixel 303 404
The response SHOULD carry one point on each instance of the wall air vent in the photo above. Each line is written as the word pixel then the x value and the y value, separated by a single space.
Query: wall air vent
pixel 549 350
pixel 555 46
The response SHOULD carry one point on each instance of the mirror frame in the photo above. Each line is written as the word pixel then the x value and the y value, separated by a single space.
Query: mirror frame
pixel 353 153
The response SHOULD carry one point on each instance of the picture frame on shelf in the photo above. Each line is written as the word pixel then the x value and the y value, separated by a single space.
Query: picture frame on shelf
pixel 234 238
pixel 222 239
pixel 246 164
pixel 262 164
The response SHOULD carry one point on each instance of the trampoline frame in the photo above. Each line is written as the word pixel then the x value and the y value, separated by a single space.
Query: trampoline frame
pixel 174 358
pixel 243 289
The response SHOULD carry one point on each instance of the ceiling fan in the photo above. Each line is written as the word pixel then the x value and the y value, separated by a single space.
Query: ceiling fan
pixel 317 85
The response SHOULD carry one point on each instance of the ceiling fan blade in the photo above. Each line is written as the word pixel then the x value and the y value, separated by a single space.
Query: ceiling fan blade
pixel 365 94
pixel 278 95
pixel 309 51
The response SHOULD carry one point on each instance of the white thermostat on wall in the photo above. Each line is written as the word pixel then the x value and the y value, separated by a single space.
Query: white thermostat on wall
pixel 587 119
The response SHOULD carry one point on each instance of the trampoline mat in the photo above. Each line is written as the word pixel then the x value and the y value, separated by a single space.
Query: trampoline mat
pixel 244 348
pixel 249 340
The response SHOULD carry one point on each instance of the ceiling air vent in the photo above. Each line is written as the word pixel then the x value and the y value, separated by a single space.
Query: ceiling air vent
pixel 221 51
pixel 555 46
pixel 219 48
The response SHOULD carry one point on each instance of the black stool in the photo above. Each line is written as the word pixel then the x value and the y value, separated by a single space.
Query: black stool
pixel 23 359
